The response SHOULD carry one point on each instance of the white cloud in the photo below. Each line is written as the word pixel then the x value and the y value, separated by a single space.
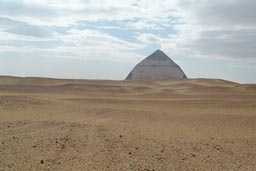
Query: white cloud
pixel 45 12
pixel 149 39
pixel 79 44
pixel 143 25
pixel 211 29
pixel 217 29
pixel 99 45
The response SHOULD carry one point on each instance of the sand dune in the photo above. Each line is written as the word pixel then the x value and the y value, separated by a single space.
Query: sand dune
pixel 59 124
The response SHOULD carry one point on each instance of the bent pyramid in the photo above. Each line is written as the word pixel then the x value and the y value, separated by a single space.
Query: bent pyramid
pixel 157 65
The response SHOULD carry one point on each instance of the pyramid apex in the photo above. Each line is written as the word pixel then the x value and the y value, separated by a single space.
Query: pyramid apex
pixel 159 50
pixel 158 55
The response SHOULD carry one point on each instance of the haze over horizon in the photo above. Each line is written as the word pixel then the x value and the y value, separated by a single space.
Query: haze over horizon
pixel 105 39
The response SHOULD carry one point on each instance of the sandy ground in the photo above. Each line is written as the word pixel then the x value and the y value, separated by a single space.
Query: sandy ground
pixel 157 125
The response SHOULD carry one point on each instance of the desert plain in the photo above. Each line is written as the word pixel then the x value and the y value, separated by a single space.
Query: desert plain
pixel 144 125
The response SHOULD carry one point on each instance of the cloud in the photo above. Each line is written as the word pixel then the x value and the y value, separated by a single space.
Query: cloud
pixel 220 13
pixel 78 44
pixel 210 29
pixel 205 28
pixel 218 29
pixel 149 39
pixel 98 45
pixel 58 13
pixel 24 29
pixel 230 43
pixel 27 11
pixel 143 25
pixel 24 8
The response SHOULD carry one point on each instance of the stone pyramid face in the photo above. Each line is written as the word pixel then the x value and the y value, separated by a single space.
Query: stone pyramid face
pixel 157 65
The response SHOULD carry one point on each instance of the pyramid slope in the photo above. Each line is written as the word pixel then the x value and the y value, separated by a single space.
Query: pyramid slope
pixel 157 65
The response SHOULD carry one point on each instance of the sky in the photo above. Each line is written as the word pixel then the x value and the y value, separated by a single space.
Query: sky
pixel 105 39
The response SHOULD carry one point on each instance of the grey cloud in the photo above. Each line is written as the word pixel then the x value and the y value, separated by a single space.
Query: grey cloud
pixel 233 44
pixel 22 28
pixel 219 12
pixel 225 28
pixel 231 13
pixel 19 8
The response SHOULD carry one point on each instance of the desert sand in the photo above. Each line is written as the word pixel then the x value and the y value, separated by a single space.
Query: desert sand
pixel 147 125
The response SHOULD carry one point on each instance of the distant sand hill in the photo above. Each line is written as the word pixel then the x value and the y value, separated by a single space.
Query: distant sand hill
pixel 156 124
